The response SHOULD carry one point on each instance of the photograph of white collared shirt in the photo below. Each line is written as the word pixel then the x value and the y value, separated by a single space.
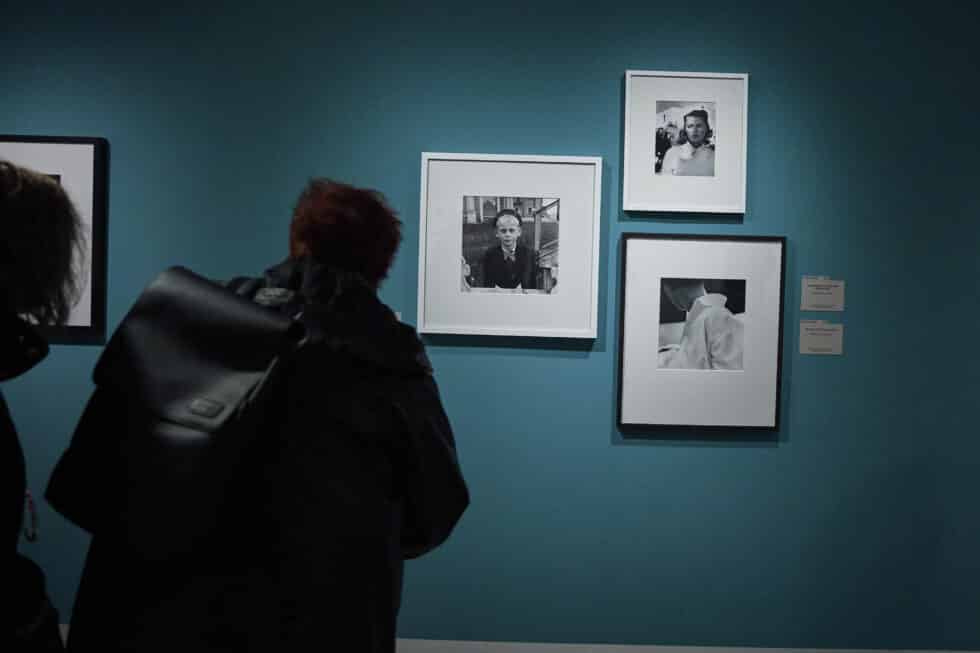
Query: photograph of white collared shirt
pixel 702 324
pixel 688 161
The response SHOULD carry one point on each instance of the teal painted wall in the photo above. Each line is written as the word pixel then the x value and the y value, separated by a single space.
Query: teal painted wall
pixel 856 525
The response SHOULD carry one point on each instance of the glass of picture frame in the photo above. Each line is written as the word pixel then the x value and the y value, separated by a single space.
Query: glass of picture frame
pixel 509 245
pixel 80 165
pixel 701 330
pixel 685 141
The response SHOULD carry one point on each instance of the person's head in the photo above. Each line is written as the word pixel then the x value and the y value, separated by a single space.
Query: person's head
pixel 683 292
pixel 675 134
pixel 349 228
pixel 696 127
pixel 42 247
pixel 507 228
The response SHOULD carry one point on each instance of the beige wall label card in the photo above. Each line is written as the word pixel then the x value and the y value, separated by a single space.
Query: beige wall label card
pixel 822 294
pixel 821 337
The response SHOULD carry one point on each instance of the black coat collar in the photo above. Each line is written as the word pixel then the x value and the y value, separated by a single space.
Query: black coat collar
pixel 343 311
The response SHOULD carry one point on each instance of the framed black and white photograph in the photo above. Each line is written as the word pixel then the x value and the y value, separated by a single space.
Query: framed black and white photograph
pixel 509 245
pixel 701 330
pixel 80 166
pixel 685 142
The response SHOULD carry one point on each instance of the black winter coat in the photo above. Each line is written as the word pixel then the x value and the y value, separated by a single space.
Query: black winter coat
pixel 29 622
pixel 358 473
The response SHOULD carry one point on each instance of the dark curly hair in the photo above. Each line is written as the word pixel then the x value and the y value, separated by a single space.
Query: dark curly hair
pixel 346 227
pixel 41 254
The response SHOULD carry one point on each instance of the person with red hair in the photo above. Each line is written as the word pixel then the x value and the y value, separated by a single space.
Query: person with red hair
pixel 357 472
pixel 367 473
pixel 348 228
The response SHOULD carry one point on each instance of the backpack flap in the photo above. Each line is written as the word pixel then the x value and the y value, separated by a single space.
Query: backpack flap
pixel 190 351
pixel 174 408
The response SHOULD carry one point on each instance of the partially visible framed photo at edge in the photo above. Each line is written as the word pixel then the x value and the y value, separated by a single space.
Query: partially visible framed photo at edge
pixel 509 245
pixel 701 331
pixel 685 141
pixel 80 165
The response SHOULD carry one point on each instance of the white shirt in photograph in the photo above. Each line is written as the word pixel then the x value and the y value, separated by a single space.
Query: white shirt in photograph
pixel 689 161
pixel 712 338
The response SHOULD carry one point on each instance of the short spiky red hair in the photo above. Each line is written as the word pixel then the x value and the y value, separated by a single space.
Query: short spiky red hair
pixel 346 227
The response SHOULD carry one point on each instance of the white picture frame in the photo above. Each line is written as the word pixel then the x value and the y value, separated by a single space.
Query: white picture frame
pixel 556 200
pixel 81 166
pixel 719 365
pixel 709 178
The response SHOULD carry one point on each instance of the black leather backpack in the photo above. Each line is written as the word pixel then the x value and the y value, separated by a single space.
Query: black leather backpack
pixel 183 389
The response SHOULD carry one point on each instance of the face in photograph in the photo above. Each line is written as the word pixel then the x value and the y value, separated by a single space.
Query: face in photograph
pixel 696 129
pixel 508 232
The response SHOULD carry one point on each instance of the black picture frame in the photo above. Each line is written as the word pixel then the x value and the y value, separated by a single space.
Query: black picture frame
pixel 81 165
pixel 652 392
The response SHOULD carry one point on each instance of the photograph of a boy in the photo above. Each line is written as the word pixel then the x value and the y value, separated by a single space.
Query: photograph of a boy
pixel 507 264
pixel 684 140
pixel 510 244
pixel 701 324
